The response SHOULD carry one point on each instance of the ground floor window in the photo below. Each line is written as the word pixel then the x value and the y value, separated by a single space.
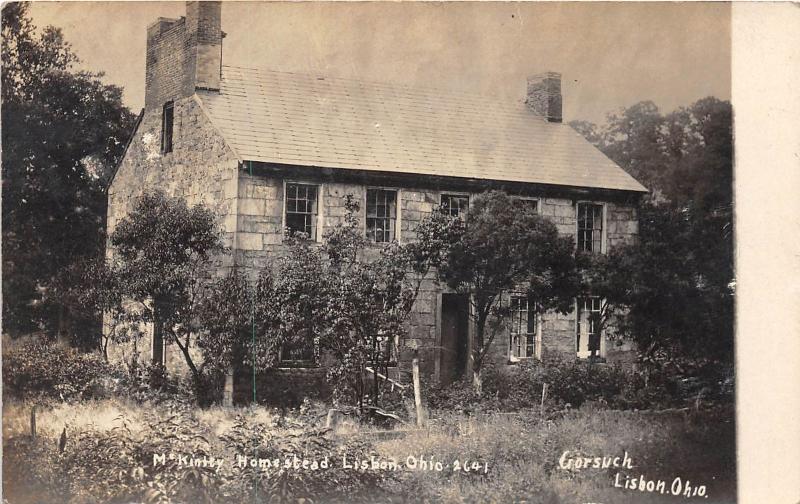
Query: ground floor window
pixel 298 353
pixel 589 333
pixel 522 339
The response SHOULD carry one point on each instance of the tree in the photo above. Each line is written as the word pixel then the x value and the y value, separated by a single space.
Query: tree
pixel 226 320
pixel 89 291
pixel 162 260
pixel 632 138
pixel 672 291
pixel 250 324
pixel 501 247
pixel 342 299
pixel 63 133
pixel 370 299
pixel 683 157
pixel 661 293
pixel 232 311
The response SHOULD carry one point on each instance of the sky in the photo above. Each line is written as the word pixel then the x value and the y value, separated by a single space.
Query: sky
pixel 610 55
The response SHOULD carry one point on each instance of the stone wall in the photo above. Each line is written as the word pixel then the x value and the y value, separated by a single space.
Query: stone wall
pixel 201 168
pixel 622 222
pixel 286 387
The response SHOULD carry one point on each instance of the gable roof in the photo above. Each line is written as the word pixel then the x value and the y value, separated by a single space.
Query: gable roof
pixel 287 118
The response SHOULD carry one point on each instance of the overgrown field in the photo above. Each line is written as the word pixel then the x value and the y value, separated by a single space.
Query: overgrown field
pixel 112 450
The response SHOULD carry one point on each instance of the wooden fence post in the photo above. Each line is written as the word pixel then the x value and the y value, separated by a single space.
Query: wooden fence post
pixel 417 389
pixel 332 419
pixel 544 396
pixel 227 393
pixel 33 421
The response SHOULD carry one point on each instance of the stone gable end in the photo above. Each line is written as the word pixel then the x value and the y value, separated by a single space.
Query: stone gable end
pixel 201 168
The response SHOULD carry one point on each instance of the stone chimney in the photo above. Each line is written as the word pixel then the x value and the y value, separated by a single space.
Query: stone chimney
pixel 184 54
pixel 204 31
pixel 544 95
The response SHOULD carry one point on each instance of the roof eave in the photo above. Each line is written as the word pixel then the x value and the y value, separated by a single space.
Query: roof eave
pixel 325 172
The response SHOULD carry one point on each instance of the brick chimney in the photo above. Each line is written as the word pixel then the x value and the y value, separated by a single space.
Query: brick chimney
pixel 204 30
pixel 184 54
pixel 544 95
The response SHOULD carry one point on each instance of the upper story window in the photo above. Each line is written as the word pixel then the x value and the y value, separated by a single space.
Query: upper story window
pixel 381 215
pixel 523 328
pixel 302 209
pixel 455 205
pixel 588 326
pixel 590 227
pixel 167 120
pixel 526 204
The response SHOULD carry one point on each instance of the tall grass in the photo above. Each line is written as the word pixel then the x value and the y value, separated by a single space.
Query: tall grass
pixel 521 450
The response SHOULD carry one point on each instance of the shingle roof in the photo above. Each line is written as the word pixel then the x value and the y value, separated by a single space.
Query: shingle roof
pixel 287 118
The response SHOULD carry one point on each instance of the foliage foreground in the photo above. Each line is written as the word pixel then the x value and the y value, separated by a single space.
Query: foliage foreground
pixel 111 451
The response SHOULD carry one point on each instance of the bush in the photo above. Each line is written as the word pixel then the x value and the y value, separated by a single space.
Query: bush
pixel 31 471
pixel 570 383
pixel 117 465
pixel 38 370
pixel 146 381
pixel 460 396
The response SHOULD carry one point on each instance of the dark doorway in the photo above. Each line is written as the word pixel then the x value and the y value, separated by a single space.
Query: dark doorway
pixel 455 337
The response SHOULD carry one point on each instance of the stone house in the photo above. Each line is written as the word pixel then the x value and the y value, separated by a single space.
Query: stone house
pixel 270 150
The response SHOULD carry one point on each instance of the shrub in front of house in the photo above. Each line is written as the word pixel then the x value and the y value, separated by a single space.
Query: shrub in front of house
pixel 460 396
pixel 145 381
pixel 42 370
pixel 570 384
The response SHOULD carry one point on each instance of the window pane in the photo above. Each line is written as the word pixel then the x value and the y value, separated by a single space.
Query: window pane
pixel 302 350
